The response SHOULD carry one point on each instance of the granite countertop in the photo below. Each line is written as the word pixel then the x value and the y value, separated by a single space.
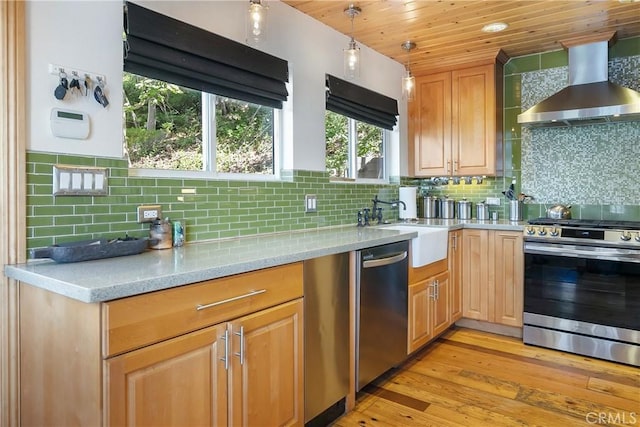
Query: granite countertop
pixel 456 224
pixel 152 270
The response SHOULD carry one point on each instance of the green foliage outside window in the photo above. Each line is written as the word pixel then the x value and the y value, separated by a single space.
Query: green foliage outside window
pixel 369 148
pixel 337 144
pixel 164 129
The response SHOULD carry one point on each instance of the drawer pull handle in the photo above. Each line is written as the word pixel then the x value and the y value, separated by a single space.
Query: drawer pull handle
pixel 240 354
pixel 224 301
pixel 225 359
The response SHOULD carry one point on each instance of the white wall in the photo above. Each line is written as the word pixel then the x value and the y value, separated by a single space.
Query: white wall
pixel 87 35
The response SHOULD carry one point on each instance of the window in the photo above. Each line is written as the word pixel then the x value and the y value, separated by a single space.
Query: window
pixel 354 149
pixel 171 127
pixel 357 122
pixel 196 101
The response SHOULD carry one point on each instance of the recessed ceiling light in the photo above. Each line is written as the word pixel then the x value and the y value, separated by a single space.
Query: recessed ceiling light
pixel 494 27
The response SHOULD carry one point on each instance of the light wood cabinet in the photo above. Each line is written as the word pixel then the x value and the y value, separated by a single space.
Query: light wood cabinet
pixel 456 122
pixel 441 303
pixel 429 303
pixel 245 372
pixel 508 298
pixel 266 373
pixel 493 276
pixel 223 352
pixel 475 274
pixel 455 274
pixel 181 381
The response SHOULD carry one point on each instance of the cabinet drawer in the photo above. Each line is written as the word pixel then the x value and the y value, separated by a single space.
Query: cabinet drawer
pixel 417 274
pixel 141 320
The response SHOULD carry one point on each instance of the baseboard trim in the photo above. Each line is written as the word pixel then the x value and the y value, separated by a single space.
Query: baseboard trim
pixel 510 331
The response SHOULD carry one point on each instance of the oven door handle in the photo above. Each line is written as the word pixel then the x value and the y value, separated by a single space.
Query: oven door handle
pixel 576 251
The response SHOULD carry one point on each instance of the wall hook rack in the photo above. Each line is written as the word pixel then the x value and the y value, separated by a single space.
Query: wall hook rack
pixel 77 73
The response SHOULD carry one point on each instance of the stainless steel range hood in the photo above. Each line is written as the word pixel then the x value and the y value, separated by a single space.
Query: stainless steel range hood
pixel 590 97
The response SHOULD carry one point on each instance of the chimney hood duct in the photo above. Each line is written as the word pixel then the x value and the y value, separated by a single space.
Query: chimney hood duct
pixel 590 98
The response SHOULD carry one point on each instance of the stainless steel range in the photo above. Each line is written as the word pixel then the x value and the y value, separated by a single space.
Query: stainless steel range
pixel 582 287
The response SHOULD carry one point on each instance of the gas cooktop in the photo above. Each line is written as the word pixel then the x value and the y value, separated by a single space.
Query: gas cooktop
pixel 594 231
pixel 588 223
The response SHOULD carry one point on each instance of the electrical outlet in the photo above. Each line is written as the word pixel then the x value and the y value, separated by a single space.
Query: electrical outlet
pixel 310 203
pixel 149 212
pixel 493 201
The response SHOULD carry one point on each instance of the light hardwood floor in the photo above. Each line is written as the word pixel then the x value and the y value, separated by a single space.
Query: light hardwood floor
pixel 473 378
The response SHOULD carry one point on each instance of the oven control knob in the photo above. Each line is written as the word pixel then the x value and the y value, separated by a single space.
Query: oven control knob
pixel 625 236
pixel 638 237
pixel 554 232
pixel 531 231
pixel 542 232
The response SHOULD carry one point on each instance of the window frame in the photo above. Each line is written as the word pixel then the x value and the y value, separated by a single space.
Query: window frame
pixel 160 47
pixel 352 155
pixel 209 150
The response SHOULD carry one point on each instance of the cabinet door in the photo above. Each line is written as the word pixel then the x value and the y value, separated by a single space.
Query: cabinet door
pixel 473 121
pixel 455 274
pixel 431 125
pixel 475 274
pixel 181 381
pixel 441 309
pixel 509 272
pixel 420 319
pixel 266 387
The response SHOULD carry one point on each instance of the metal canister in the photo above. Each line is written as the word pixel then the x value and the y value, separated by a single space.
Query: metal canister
pixel 430 207
pixel 482 211
pixel 178 233
pixel 447 208
pixel 464 209
pixel 515 210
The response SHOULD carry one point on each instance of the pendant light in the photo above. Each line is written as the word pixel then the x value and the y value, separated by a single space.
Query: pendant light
pixel 352 52
pixel 257 21
pixel 408 80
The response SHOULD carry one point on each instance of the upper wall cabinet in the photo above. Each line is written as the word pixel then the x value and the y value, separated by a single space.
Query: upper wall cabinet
pixel 456 122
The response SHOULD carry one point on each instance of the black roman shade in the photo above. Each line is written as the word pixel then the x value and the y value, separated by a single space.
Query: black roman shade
pixel 173 51
pixel 361 104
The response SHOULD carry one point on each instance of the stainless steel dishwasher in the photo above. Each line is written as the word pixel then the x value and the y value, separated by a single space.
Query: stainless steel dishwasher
pixel 382 306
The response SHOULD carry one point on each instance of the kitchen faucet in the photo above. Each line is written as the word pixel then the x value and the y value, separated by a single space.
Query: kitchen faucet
pixel 393 203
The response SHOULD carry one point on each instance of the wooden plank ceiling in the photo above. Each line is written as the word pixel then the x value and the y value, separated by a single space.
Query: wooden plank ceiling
pixel 447 33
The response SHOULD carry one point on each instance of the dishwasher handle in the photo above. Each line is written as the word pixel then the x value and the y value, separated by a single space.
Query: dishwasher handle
pixel 378 262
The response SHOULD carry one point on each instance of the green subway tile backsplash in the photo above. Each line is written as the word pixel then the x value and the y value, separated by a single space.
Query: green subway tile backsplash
pixel 522 64
pixel 557 58
pixel 210 209
pixel 625 47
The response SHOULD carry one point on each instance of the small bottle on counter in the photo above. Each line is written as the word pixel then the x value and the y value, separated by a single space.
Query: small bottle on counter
pixel 178 233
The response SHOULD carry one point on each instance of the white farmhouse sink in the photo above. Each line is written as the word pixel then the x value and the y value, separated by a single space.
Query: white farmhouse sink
pixel 430 245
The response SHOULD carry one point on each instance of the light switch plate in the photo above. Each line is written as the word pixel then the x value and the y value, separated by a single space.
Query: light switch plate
pixel 310 203
pixel 493 201
pixel 79 181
